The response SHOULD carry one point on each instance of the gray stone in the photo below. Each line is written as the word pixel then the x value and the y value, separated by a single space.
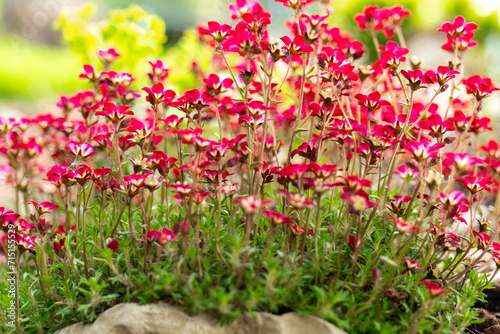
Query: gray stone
pixel 162 318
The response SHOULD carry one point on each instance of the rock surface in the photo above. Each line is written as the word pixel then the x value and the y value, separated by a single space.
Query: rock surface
pixel 163 318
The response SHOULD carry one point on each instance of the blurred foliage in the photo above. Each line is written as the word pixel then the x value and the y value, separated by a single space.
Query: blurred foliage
pixel 427 17
pixel 34 72
pixel 133 32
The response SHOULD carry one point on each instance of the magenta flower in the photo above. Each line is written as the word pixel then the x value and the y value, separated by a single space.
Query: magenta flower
pixel 415 79
pixel 441 76
pixel 218 31
pixel 396 206
pixel 458 28
pixel 295 47
pixel 434 289
pixel 159 72
pixel 43 207
pixel 370 19
pixel 392 55
pixel 254 203
pixel 82 151
pixel 157 94
pixel 90 73
pixel 475 184
pixel 372 102
pixel 423 150
pixel 452 199
pixel 479 87
pixel 215 86
pixel 275 218
pixel 113 113
pixel 462 161
pixel 107 56
pixel 403 226
pixel 410 264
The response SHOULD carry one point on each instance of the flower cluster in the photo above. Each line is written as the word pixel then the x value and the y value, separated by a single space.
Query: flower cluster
pixel 286 151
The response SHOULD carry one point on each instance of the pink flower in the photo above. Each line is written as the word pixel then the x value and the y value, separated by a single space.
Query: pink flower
pixel 434 289
pixel 475 184
pixel 254 203
pixel 107 56
pixel 295 47
pixel 82 151
pixel 275 218
pixel 410 264
pixel 90 73
pixel 392 55
pixel 297 200
pixel 441 76
pixel 218 31
pixel 479 87
pixel 422 150
pixel 452 199
pixel 371 102
pixel 113 113
pixel 458 28
pixel 370 19
pixel 157 94
pixel 403 226
pixel 43 207
pixel 159 72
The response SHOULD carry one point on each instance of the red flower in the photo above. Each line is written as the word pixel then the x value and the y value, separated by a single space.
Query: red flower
pixel 434 289
pixel 452 199
pixel 59 248
pixel 415 79
pixel 392 55
pixel 90 73
pixel 441 76
pixel 159 72
pixel 275 218
pixel 112 244
pixel 157 94
pixel 218 31
pixel 371 102
pixel 422 150
pixel 370 19
pixel 392 19
pixel 403 226
pixel 254 203
pixel 43 207
pixel 82 151
pixel 354 243
pixel 492 149
pixel 410 264
pixel 458 28
pixel 479 87
pixel 113 113
pixel 475 184
pixel 295 47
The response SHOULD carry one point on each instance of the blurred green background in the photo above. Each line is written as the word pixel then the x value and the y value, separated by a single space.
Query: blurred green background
pixel 37 65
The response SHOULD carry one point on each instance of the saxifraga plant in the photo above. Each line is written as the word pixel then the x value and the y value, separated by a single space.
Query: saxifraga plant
pixel 294 178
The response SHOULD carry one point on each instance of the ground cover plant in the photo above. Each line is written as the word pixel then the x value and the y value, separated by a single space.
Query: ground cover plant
pixel 294 178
